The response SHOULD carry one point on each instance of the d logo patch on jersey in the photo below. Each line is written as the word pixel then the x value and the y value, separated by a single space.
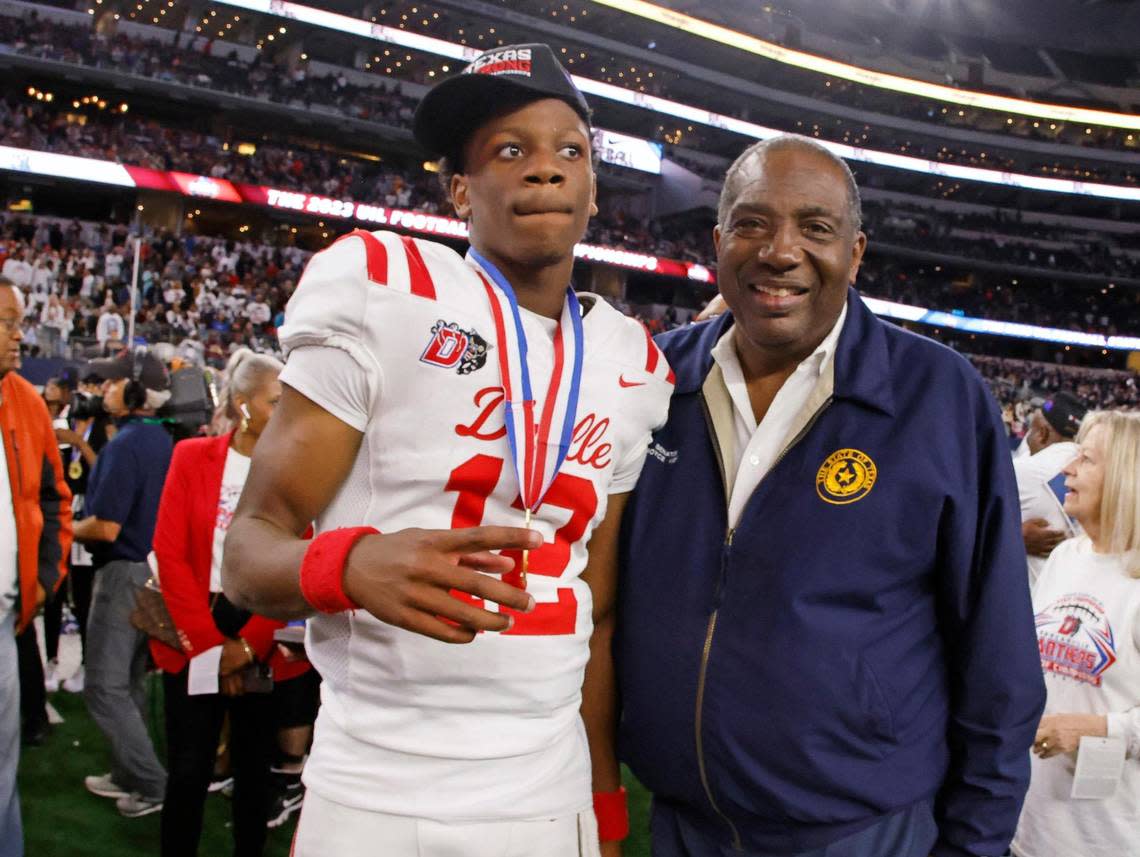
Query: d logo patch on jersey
pixel 453 347
pixel 846 476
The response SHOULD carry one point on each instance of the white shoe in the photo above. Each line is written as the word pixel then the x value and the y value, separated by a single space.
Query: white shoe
pixel 51 676
pixel 135 805
pixel 75 683
pixel 104 786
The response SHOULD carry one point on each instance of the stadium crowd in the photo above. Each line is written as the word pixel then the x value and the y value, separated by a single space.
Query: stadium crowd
pixel 209 64
pixel 1001 297
pixel 231 291
pixel 998 238
pixel 141 142
pixel 211 296
pixel 110 135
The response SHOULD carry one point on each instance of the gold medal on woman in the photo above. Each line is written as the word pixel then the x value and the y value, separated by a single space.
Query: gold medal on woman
pixel 75 469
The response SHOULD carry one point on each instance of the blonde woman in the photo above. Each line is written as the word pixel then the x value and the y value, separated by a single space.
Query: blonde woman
pixel 1087 602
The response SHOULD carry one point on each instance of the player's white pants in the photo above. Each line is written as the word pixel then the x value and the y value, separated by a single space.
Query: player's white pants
pixel 328 829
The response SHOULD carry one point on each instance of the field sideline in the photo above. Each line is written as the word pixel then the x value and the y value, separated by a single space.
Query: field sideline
pixel 62 820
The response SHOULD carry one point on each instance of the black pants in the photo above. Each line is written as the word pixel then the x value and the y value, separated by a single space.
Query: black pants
pixel 33 697
pixel 193 724
pixel 80 579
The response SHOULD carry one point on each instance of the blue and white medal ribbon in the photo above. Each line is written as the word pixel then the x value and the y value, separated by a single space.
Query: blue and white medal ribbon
pixel 539 444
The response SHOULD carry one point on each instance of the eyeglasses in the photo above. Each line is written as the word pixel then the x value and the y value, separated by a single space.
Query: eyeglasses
pixel 10 325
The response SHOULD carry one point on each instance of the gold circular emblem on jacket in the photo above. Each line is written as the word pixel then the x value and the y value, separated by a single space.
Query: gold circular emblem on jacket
pixel 846 476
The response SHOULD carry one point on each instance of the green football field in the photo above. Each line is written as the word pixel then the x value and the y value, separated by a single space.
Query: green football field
pixel 62 819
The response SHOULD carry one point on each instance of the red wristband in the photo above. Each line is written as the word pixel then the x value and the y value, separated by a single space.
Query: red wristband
pixel 322 569
pixel 611 809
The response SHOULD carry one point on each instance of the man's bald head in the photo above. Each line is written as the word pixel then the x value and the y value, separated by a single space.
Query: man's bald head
pixel 784 142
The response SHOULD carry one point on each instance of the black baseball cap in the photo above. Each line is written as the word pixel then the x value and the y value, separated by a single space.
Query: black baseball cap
pixel 1064 413
pixel 151 372
pixel 496 80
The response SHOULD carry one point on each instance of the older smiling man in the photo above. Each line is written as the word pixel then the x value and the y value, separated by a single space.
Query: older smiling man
pixel 826 646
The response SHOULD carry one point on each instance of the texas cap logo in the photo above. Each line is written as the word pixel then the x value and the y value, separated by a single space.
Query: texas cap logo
pixel 509 61
pixel 845 476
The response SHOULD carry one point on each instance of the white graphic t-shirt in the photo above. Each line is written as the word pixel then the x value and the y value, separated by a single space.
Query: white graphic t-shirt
pixel 233 480
pixel 1088 633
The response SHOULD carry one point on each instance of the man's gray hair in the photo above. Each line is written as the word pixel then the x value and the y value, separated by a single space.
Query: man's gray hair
pixel 780 143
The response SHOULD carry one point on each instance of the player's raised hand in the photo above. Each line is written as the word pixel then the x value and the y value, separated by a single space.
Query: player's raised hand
pixel 405 579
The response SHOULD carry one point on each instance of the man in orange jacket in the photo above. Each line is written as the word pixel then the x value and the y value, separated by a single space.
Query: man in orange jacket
pixel 35 539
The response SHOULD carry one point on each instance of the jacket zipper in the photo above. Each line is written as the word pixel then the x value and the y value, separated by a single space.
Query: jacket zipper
pixel 702 674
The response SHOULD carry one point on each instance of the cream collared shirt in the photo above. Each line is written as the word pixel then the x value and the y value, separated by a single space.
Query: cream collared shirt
pixel 749 450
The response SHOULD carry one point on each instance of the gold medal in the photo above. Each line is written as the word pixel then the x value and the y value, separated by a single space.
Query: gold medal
pixel 525 553
pixel 75 469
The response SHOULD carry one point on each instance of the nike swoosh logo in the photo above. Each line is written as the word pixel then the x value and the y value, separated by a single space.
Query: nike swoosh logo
pixel 625 383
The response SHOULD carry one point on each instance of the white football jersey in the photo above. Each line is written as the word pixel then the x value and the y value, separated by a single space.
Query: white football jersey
pixel 410 725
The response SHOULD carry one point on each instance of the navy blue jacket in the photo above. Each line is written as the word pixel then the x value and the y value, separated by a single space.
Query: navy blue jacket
pixel 826 663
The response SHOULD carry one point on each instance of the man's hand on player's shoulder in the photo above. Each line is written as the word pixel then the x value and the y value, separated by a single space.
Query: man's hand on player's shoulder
pixel 406 578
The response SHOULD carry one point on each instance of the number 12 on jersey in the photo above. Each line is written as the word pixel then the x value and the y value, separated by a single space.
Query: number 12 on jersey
pixel 473 482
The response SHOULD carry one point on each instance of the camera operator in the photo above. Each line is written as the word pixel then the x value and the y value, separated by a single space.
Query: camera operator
pixel 121 507
pixel 81 430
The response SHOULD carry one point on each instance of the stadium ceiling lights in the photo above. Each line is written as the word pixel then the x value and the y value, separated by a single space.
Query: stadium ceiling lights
pixel 690 113
pixel 867 77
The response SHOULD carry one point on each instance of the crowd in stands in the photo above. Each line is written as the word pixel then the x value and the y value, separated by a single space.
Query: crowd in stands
pixel 1008 222
pixel 210 65
pixel 142 142
pixel 85 263
pixel 1017 384
pixel 998 296
pixel 997 238
pixel 210 296
pixel 1109 387
pixel 131 139
pixel 207 68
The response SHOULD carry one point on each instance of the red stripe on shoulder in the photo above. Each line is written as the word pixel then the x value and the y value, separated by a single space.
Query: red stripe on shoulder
pixel 422 284
pixel 375 253
pixel 671 378
pixel 653 354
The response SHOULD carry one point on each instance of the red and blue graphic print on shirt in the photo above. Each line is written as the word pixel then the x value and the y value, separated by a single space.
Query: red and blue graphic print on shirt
pixel 1075 639
pixel 538 444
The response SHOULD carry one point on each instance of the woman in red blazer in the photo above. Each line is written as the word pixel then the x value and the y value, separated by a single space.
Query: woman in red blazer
pixel 218 641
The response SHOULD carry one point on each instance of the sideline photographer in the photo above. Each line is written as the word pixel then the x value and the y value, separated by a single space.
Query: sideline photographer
pixel 121 506
pixel 81 428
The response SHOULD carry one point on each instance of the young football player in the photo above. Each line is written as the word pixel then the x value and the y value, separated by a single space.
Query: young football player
pixel 438 409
